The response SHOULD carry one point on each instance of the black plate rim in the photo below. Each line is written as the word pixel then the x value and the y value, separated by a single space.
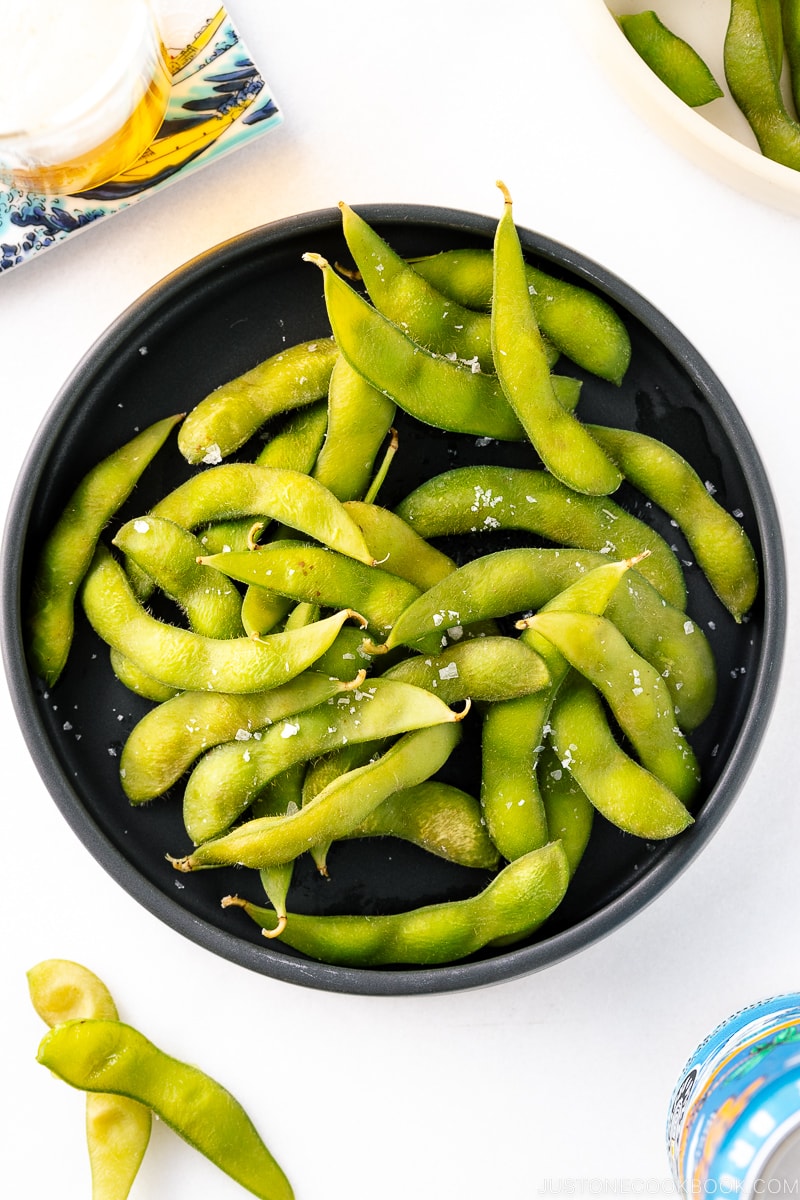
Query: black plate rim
pixel 449 977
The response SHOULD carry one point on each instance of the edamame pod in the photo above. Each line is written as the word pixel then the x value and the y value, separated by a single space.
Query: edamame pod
pixel 570 815
pixel 137 680
pixel 720 545
pixel 188 661
pixel 117 1127
pixel 68 549
pixel 229 778
pixel 564 445
pixel 476 499
pixel 228 417
pixel 578 322
pixel 168 554
pixel 246 489
pixel 635 692
pixel 482 669
pixel 673 60
pixel 513 905
pixel 626 794
pixel 340 807
pixel 169 738
pixel 755 84
pixel 359 420
pixel 322 576
pixel 397 548
pixel 109 1056
pixel 429 387
pixel 283 794
pixel 297 443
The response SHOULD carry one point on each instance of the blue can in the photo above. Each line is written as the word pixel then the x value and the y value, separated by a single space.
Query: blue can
pixel 734 1118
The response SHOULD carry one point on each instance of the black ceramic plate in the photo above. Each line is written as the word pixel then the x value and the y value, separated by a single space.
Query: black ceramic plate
pixel 217 317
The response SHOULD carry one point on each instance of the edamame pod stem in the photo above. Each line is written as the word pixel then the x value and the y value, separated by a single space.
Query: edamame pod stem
pixel 230 777
pixel 482 669
pixel 169 738
pixel 578 322
pixel 431 388
pixel 188 661
pixel 635 692
pixel 168 554
pixel 228 417
pixel 117 1127
pixel 322 576
pixel 246 489
pixel 397 548
pixel 514 905
pixel 359 420
pixel 110 1056
pixel 68 549
pixel 476 499
pixel 626 794
pixel 564 445
pixel 719 543
pixel 755 86
pixel 673 60
pixel 340 807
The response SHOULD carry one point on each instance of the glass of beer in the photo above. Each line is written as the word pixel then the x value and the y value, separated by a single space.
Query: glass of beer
pixel 83 91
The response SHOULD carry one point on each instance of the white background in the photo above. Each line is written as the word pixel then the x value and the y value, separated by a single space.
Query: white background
pixel 558 1081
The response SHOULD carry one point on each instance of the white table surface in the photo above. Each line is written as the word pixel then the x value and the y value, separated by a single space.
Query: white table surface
pixel 557 1083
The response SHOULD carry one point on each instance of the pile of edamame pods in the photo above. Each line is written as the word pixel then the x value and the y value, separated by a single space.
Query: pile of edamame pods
pixel 327 657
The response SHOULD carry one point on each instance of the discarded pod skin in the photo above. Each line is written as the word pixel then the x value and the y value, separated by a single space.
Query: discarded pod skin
pixel 67 552
pixel 117 1127
pixel 673 60
pixel 227 780
pixel 339 808
pixel 513 905
pixel 230 415
pixel 112 1057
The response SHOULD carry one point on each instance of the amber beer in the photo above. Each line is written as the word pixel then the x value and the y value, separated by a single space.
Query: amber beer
pixel 84 91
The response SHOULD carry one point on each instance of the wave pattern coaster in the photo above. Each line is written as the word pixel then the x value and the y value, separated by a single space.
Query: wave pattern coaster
pixel 219 101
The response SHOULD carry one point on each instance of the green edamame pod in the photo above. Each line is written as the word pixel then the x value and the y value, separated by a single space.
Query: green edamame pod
pixel 635 692
pixel 397 548
pixel 246 489
pixel 673 60
pixel 570 815
pixel 109 1056
pixel 431 388
pixel 188 661
pixel 137 680
pixel 169 738
pixel 340 807
pixel 582 325
pixel 68 550
pixel 514 905
pixel 626 794
pixel 720 545
pixel 117 1127
pixel 442 819
pixel 298 441
pixel 755 85
pixel 476 499
pixel 790 20
pixel 482 669
pixel 283 794
pixel 228 417
pixel 305 572
pixel 168 554
pixel 230 777
pixel 564 445
pixel 263 610
pixel 359 420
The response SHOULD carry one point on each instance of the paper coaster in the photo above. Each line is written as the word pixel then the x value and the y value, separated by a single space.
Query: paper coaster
pixel 219 101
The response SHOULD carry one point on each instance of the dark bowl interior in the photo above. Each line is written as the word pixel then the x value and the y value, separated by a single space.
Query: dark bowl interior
pixel 217 317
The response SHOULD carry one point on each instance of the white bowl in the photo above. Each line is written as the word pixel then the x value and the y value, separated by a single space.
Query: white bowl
pixel 716 136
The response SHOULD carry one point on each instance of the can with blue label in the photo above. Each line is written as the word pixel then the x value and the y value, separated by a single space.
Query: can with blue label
pixel 734 1117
